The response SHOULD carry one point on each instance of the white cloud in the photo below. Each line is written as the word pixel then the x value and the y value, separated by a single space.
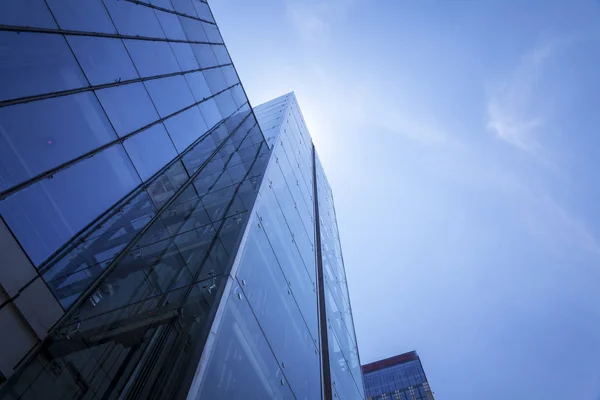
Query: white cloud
pixel 513 110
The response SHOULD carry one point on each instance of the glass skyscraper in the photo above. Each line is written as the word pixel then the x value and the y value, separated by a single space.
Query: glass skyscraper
pixel 397 378
pixel 159 239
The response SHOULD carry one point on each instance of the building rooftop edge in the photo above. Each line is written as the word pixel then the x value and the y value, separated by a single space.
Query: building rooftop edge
pixel 388 362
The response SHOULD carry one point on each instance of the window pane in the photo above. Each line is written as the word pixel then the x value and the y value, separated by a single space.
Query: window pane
pixel 89 15
pixel 26 13
pixel 171 25
pixel 198 85
pixel 128 106
pixel 185 56
pixel 225 103
pixel 241 362
pixel 212 32
pixel 215 79
pixel 150 150
pixel 134 19
pixel 206 57
pixel 63 128
pixel 203 11
pixel 186 127
pixel 47 214
pixel 152 58
pixel 184 6
pixel 210 112
pixel 170 94
pixel 104 60
pixel 277 313
pixel 221 54
pixel 36 63
pixel 193 29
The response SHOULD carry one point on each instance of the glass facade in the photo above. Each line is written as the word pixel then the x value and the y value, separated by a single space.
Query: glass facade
pixel 401 377
pixel 187 243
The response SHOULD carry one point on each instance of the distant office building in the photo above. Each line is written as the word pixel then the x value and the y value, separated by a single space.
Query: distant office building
pixel 397 378
pixel 154 243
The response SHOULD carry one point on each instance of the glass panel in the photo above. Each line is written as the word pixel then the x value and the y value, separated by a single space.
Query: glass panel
pixel 241 362
pixel 277 313
pixel 171 25
pixel 225 103
pixel 134 19
pixel 212 32
pixel 152 58
pixel 193 29
pixel 289 258
pixel 26 13
pixel 205 55
pixel 150 150
pixel 210 112
pixel 37 215
pixel 36 63
pixel 221 54
pixel 215 79
pixel 185 56
pixel 198 85
pixel 203 11
pixel 184 7
pixel 63 128
pixel 128 106
pixel 186 127
pixel 170 94
pixel 230 75
pixel 104 60
pixel 89 16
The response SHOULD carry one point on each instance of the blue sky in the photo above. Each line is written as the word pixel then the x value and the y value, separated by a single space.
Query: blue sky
pixel 461 139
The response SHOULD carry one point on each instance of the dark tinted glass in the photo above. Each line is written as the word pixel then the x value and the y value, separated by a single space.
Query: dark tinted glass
pixel 104 60
pixel 185 56
pixel 150 150
pixel 186 127
pixel 40 135
pixel 205 55
pixel 203 11
pixel 193 29
pixel 185 7
pixel 210 112
pixel 152 58
pixel 89 15
pixel 37 216
pixel 169 94
pixel 171 25
pixel 134 19
pixel 128 106
pixel 198 85
pixel 26 13
pixel 36 63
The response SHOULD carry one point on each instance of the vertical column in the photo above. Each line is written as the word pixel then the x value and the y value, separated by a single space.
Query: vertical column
pixel 325 368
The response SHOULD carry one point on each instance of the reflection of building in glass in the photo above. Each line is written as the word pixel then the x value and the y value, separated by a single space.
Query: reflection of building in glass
pixel 400 377
pixel 154 243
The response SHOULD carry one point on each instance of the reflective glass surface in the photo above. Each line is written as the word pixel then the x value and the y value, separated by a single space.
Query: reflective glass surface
pixel 104 60
pixel 45 215
pixel 150 150
pixel 278 314
pixel 170 94
pixel 242 364
pixel 128 107
pixel 63 128
pixel 36 63
pixel 26 12
pixel 90 16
